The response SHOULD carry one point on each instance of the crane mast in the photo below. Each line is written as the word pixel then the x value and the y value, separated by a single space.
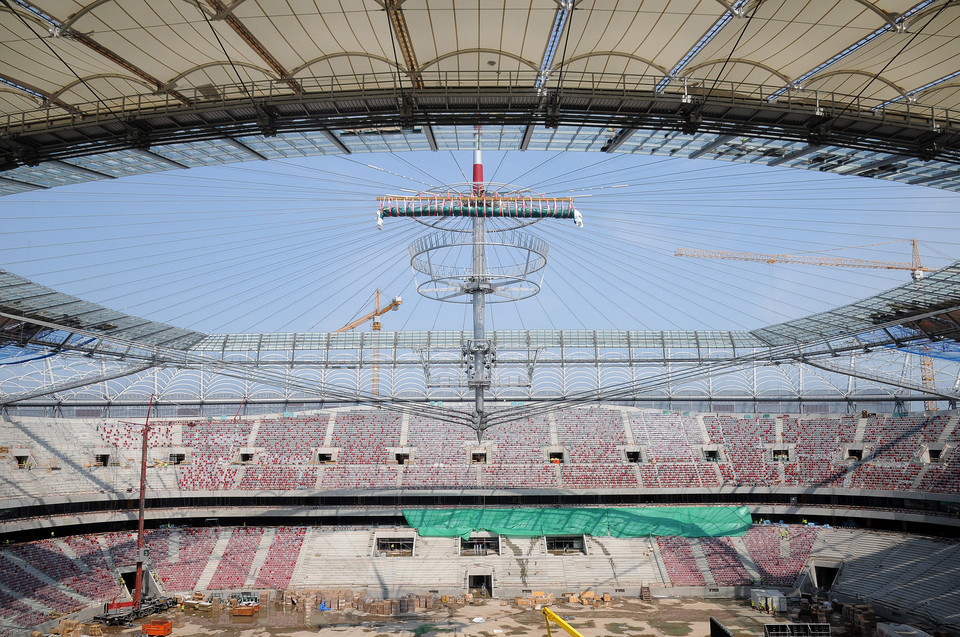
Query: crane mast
pixel 375 315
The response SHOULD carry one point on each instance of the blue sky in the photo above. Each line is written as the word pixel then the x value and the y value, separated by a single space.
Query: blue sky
pixel 292 245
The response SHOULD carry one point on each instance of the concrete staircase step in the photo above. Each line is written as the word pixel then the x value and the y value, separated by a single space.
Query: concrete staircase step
pixel 211 568
pixel 261 556
pixel 697 549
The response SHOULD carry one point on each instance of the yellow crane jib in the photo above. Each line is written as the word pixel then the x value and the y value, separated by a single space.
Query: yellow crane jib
pixel 915 268
pixel 375 314
pixel 550 616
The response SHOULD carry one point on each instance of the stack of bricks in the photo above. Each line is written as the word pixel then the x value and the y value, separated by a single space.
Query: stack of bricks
pixel 342 599
pixel 409 604
pixel 860 620
pixel 535 599
pixel 538 599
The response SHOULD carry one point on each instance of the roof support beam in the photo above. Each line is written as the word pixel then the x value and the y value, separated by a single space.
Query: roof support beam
pixel 81 169
pixel 25 184
pixel 732 10
pixel 618 139
pixel 166 160
pixel 560 20
pixel 63 30
pixel 712 146
pixel 896 382
pixel 879 163
pixel 527 136
pixel 34 91
pixel 103 51
pixel 336 141
pixel 806 150
pixel 241 146
pixel 431 138
pixel 255 44
pixel 76 384
pixel 398 23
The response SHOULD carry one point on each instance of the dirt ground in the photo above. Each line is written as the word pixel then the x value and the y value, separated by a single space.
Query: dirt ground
pixel 625 618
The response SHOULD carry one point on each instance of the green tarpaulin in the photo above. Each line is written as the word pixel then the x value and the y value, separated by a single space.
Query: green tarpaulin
pixel 634 522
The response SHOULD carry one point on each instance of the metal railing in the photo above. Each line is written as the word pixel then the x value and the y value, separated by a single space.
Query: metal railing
pixel 485 84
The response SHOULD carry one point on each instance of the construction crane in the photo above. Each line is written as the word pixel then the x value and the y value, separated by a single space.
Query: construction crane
pixel 375 315
pixel 915 268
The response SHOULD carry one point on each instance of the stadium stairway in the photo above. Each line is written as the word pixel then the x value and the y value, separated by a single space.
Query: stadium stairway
pixel 211 568
pixel 46 579
pixel 173 547
pixel 627 429
pixel 860 431
pixel 254 430
pixel 697 549
pixel 704 433
pixel 295 576
pixel 331 422
pixel 663 578
pixel 746 559
pixel 107 555
pixel 919 478
pixel 949 428
pixel 67 550
pixel 404 428
pixel 30 602
pixel 260 557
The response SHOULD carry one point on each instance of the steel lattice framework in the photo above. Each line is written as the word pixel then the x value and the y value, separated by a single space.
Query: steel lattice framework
pixel 860 352
pixel 90 90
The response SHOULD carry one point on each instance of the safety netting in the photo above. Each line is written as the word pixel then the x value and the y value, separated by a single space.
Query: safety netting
pixel 615 522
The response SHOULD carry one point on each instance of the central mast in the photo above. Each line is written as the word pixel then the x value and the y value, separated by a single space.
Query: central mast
pixel 480 347
pixel 478 252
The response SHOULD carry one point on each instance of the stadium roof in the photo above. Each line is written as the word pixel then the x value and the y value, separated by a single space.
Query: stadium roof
pixel 929 307
pixel 39 306
pixel 100 88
